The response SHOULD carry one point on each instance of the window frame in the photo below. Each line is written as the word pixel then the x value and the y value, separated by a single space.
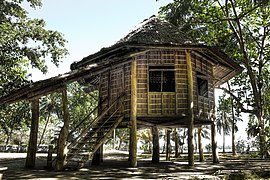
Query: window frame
pixel 162 69
pixel 201 77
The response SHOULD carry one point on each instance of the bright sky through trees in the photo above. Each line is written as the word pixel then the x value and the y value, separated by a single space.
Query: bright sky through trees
pixel 91 25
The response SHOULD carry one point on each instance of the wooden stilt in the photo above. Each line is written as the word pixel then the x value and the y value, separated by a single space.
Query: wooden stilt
pixel 155 155
pixel 176 141
pixel 133 115
pixel 62 141
pixel 32 144
pixel 190 111
pixel 97 157
pixel 214 143
pixel 200 144
pixel 168 146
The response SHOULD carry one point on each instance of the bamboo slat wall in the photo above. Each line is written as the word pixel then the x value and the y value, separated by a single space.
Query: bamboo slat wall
pixel 158 104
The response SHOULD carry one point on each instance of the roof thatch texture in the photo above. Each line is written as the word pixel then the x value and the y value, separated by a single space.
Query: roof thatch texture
pixel 156 31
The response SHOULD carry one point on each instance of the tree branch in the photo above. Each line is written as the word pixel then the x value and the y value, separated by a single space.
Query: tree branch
pixel 238 102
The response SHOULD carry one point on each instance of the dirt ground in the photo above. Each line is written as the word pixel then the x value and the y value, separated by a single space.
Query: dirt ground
pixel 116 166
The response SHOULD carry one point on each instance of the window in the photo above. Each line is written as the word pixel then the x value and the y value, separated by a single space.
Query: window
pixel 161 79
pixel 202 85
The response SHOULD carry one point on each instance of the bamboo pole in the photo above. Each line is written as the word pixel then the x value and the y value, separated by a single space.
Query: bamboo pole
pixel 133 115
pixel 190 110
pixel 63 136
pixel 200 144
pixel 155 155
pixel 32 144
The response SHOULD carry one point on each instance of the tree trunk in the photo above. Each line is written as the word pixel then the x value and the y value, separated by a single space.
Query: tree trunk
pixel 133 116
pixel 32 144
pixel 155 154
pixel 214 143
pixel 200 144
pixel 168 146
pixel 190 111
pixel 63 136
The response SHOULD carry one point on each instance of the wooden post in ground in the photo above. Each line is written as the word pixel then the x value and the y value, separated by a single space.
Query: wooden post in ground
pixel 133 116
pixel 176 140
pixel 63 136
pixel 168 146
pixel 49 157
pixel 155 155
pixel 32 144
pixel 98 155
pixel 190 110
pixel 200 144
pixel 214 143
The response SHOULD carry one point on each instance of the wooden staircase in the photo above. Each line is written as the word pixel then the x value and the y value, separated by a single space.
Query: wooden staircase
pixel 82 148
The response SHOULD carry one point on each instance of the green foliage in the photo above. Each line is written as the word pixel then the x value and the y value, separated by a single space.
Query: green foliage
pixel 14 117
pixel 24 42
pixel 242 30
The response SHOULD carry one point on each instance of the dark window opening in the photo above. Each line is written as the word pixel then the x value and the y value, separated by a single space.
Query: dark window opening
pixel 202 85
pixel 161 79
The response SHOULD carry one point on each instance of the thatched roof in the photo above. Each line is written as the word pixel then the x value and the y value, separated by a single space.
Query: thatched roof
pixel 156 31
pixel 152 31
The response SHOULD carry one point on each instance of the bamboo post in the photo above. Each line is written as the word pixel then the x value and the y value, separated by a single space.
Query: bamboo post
pixel 190 110
pixel 168 146
pixel 32 144
pixel 133 115
pixel 214 143
pixel 200 144
pixel 155 155
pixel 63 136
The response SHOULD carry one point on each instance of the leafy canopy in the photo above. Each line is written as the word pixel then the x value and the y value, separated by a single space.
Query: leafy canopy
pixel 24 42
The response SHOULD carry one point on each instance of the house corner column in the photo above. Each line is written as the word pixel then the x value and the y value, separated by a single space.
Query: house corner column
pixel 133 116
pixel 190 110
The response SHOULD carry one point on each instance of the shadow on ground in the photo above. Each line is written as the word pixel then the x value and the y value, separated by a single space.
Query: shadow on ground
pixel 116 166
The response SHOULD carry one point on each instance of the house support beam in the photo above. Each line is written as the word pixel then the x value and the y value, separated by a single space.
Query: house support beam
pixel 98 155
pixel 190 110
pixel 63 136
pixel 32 144
pixel 200 144
pixel 214 143
pixel 155 155
pixel 133 116
pixel 168 144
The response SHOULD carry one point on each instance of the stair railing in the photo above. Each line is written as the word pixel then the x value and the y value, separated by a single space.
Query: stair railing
pixel 96 120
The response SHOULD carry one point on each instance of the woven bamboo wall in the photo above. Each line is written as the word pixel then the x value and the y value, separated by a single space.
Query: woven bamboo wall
pixel 158 104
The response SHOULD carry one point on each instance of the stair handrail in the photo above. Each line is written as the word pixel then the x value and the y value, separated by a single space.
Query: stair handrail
pixel 100 116
pixel 85 118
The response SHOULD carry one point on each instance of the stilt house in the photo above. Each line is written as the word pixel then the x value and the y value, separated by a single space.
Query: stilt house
pixel 154 77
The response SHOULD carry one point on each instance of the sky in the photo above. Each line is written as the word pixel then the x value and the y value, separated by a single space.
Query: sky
pixel 90 25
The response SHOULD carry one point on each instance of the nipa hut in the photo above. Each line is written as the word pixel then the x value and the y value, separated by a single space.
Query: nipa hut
pixel 155 77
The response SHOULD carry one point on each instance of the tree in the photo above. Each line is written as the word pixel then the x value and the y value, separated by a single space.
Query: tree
pixel 224 123
pixel 241 29
pixel 24 40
